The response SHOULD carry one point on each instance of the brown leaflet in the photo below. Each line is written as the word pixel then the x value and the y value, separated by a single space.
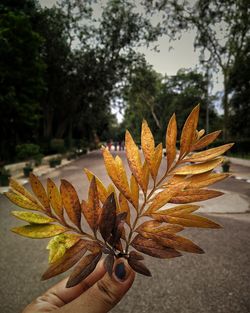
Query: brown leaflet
pixel 209 154
pixel 109 263
pixel 134 191
pixel 39 191
pixel 205 141
pixel 134 160
pixel 148 146
pixel 108 217
pixel 55 198
pixel 118 231
pixel 195 195
pixel 171 136
pixel 22 201
pixel 205 179
pixel 135 255
pixel 176 242
pixel 148 225
pixel 157 160
pixel 20 189
pixel 164 196
pixel 156 227
pixel 199 168
pixel 71 202
pixel 188 220
pixel 153 248
pixel 124 207
pixel 139 267
pixel 188 132
pixel 102 191
pixel 93 213
pixel 83 269
pixel 70 258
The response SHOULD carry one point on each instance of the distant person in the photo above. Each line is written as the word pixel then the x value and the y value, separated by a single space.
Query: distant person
pixel 115 144
pixel 98 293
pixel 110 144
pixel 122 145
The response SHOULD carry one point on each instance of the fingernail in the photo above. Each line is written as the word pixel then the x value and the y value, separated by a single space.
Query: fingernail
pixel 120 271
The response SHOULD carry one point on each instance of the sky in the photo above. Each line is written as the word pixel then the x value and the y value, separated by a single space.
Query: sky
pixel 168 61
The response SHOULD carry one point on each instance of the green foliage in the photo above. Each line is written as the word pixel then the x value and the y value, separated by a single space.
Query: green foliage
pixel 28 151
pixel 222 35
pixel 154 97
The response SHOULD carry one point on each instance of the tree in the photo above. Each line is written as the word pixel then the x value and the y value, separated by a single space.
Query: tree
pixel 149 91
pixel 240 96
pixel 222 29
pixel 21 79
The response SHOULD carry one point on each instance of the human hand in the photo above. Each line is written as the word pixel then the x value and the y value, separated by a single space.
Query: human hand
pixel 98 293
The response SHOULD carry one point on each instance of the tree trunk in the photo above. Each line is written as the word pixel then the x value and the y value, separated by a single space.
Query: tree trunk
pixel 226 108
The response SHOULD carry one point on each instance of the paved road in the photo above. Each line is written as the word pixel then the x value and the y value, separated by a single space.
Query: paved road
pixel 217 281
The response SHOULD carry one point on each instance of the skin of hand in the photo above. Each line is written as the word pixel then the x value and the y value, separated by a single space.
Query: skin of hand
pixel 98 293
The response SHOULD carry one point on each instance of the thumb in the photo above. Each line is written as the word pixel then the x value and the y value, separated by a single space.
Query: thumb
pixel 105 293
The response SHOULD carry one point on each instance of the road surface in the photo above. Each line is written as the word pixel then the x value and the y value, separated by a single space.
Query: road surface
pixel 217 281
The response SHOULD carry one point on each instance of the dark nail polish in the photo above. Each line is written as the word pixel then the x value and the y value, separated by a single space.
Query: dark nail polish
pixel 120 271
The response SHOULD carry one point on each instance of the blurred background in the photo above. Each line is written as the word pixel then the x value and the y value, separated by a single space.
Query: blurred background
pixel 75 74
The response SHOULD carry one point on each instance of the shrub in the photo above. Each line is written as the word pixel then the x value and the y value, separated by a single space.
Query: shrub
pixel 28 151
pixel 57 145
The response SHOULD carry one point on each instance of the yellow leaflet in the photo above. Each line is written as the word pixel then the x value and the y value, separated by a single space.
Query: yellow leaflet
pixel 20 189
pixel 22 201
pixel 59 245
pixel 39 231
pixel 33 218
